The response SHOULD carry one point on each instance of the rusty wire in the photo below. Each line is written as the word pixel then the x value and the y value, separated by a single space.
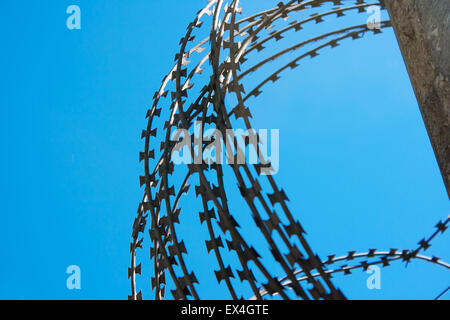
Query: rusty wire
pixel 231 43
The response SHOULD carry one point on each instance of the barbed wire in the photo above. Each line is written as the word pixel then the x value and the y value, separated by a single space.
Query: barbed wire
pixel 386 257
pixel 232 43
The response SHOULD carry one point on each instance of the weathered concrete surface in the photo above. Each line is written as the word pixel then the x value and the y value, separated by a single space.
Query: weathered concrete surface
pixel 422 28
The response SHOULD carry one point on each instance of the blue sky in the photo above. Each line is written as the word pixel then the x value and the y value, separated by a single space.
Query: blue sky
pixel 356 162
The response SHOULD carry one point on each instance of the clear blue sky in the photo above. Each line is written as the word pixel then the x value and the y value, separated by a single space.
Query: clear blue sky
pixel 72 108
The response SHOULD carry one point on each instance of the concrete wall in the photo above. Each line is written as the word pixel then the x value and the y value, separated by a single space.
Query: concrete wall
pixel 422 28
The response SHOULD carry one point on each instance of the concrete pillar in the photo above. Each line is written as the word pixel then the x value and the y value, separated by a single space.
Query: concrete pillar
pixel 422 28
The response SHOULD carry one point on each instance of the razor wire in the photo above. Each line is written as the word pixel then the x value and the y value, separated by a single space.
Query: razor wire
pixel 232 44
